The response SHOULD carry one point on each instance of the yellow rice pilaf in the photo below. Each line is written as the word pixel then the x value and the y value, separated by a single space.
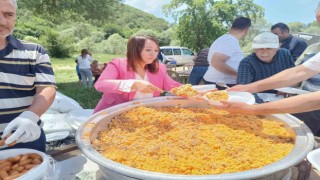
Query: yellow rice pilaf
pixel 184 90
pixel 217 95
pixel 193 140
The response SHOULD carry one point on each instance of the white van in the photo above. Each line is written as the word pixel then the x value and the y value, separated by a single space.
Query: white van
pixel 181 55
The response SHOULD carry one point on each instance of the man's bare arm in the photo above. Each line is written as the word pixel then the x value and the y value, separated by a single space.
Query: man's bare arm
pixel 43 99
pixel 218 61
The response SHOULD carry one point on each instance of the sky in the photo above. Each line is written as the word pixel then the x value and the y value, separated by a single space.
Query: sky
pixel 275 10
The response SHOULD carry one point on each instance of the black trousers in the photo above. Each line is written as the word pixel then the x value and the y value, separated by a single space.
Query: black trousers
pixel 311 119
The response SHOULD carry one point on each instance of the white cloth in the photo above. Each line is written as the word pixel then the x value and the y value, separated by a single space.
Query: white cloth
pixel 228 45
pixel 84 63
pixel 140 95
pixel 313 63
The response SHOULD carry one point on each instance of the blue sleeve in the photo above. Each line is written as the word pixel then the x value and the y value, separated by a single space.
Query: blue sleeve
pixel 290 59
pixel 298 49
pixel 245 73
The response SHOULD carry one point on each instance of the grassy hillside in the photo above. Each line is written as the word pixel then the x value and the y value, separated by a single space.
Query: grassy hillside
pixel 132 18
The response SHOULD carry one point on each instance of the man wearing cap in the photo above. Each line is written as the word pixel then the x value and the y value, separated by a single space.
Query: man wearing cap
pixel 266 60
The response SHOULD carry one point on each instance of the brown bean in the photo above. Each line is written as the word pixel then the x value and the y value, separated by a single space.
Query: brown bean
pixel 14 159
pixel 7 168
pixel 30 166
pixel 36 161
pixel 11 177
pixel 24 157
pixel 24 171
pixel 18 158
pixel 3 174
pixel 25 162
pixel 20 168
pixel 7 163
pixel 14 167
pixel 13 172
pixel 35 156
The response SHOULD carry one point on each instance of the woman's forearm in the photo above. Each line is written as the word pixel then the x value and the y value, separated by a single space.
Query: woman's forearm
pixel 295 104
pixel 289 77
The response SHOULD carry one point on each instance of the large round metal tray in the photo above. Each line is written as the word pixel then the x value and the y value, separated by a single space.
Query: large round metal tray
pixel 113 170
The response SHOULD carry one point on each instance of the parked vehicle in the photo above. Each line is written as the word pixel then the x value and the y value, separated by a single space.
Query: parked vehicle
pixel 180 55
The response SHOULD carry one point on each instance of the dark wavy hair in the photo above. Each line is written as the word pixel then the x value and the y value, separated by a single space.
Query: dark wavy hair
pixel 241 23
pixel 282 26
pixel 134 48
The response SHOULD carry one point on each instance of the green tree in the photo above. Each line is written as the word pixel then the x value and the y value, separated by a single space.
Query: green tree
pixel 89 9
pixel 296 27
pixel 115 45
pixel 56 45
pixel 200 22
pixel 312 28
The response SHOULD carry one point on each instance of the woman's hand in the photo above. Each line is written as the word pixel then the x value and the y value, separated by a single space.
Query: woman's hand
pixel 145 87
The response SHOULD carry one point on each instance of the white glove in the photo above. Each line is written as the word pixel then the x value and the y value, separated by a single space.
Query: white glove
pixel 26 126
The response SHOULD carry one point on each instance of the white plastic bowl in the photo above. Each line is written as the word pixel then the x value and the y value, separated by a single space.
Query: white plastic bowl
pixel 235 96
pixel 314 158
pixel 36 173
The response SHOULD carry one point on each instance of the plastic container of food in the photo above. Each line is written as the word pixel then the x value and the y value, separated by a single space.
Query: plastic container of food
pixel 39 172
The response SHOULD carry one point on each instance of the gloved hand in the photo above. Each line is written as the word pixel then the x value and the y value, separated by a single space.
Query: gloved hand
pixel 26 127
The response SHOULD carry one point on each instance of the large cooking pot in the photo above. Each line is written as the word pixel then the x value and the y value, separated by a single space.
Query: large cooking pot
pixel 114 170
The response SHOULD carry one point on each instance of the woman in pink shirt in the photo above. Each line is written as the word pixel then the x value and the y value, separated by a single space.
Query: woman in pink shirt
pixel 138 76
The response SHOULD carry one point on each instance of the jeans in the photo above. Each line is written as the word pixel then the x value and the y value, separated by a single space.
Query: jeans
pixel 197 74
pixel 39 144
pixel 86 77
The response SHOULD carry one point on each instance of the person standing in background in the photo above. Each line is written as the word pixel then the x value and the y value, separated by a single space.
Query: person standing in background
pixel 294 44
pixel 27 85
pixel 225 54
pixel 200 67
pixel 78 70
pixel 84 61
pixel 96 71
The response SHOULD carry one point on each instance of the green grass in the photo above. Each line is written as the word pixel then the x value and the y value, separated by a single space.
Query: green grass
pixel 68 82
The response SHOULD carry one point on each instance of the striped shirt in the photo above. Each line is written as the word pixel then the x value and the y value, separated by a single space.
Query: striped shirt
pixel 23 67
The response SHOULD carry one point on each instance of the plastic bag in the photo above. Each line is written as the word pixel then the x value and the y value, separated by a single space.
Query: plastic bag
pixel 64 104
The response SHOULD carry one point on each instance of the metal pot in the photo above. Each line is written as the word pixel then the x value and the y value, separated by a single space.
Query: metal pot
pixel 114 170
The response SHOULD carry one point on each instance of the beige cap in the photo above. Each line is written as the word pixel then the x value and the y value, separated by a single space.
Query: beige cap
pixel 265 40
